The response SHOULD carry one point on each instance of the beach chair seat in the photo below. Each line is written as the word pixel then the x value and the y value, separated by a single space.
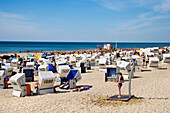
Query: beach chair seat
pixel 83 67
pixel 111 76
pixel 29 74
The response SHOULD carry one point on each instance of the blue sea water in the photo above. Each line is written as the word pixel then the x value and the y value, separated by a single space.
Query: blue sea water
pixel 13 46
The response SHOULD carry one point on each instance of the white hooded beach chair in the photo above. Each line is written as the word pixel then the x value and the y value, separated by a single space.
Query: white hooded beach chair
pixel 66 57
pixel 135 57
pixel 102 64
pixel 19 85
pixel 122 54
pixel 129 53
pixel 46 82
pixel 78 57
pixel 155 49
pixel 81 65
pixel 14 63
pixel 92 60
pixel 30 64
pixel 43 68
pixel 96 62
pixel 125 68
pixel 47 61
pixel 50 58
pixel 2 73
pixel 166 59
pixel 61 62
pixel 87 62
pixel 63 70
pixel 138 65
pixel 88 55
pixel 72 60
pixel 41 61
pixel 150 54
pixel 8 70
pixel 153 63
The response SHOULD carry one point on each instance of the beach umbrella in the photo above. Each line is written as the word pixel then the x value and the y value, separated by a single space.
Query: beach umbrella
pixel 98 45
pixel 36 57
pixel 29 55
pixel 44 55
pixel 139 51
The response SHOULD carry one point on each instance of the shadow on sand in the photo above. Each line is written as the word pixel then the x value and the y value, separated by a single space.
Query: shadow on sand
pixel 143 70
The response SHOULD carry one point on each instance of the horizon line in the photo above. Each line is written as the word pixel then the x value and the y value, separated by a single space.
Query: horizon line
pixel 78 41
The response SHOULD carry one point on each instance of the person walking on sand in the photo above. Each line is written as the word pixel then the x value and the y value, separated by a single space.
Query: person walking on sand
pixel 121 80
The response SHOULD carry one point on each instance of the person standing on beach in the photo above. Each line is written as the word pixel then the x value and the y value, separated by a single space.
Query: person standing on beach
pixel 147 60
pixel 143 58
pixel 121 80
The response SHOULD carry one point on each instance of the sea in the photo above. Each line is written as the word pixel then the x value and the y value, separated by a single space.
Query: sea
pixel 23 46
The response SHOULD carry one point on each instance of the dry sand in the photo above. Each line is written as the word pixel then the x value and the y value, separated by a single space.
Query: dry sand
pixel 151 87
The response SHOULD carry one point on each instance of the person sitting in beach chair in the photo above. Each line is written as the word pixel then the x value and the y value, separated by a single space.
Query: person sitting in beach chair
pixel 121 80
pixel 70 81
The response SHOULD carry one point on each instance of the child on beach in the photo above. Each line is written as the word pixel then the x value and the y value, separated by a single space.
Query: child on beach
pixel 121 80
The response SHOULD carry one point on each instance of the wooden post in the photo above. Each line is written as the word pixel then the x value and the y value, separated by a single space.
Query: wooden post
pixel 130 77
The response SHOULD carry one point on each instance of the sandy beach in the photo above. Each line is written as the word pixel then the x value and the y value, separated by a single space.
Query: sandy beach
pixel 85 56
pixel 150 87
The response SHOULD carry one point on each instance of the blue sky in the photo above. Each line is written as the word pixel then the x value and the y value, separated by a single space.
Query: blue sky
pixel 85 20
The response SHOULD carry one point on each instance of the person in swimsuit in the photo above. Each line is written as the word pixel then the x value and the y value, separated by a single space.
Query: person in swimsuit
pixel 143 57
pixel 121 80
pixel 147 60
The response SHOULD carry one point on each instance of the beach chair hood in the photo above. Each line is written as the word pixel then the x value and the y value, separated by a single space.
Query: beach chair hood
pixel 46 79
pixel 74 74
